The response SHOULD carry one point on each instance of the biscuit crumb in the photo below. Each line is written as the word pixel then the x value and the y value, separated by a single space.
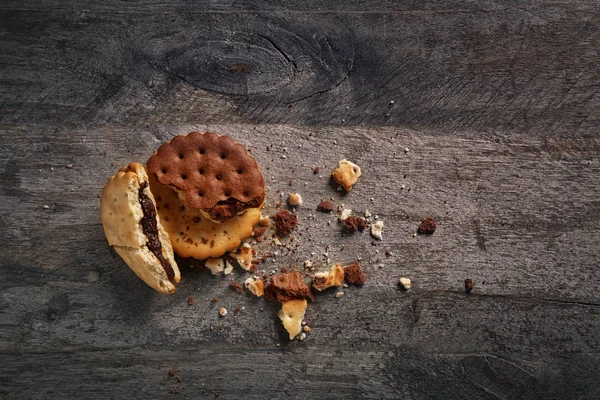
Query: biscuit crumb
pixel 294 199
pixel 285 222
pixel 346 174
pixel 214 300
pixel 215 265
pixel 302 336
pixel 46 206
pixel 353 275
pixel 427 227
pixel 325 206
pixel 69 166
pixel 222 311
pixel 354 224
pixel 306 328
pixel 243 256
pixel 264 221
pixel 308 265
pixel 324 280
pixel 339 295
pixel 255 286
pixel 228 268
pixel 469 285
pixel 405 283
pixel 367 214
pixel 346 212
pixel 377 230
pixel 191 301
pixel 291 315
pixel 237 286
pixel 315 169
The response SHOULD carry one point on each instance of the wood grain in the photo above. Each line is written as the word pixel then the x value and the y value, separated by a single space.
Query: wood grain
pixel 496 103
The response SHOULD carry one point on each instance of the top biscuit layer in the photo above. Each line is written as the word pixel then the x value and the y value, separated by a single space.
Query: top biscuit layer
pixel 216 174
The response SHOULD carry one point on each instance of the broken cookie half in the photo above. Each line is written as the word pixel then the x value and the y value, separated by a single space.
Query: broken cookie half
pixel 132 227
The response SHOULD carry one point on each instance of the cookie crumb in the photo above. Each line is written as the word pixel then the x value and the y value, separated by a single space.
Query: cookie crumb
pixel 285 222
pixel 46 206
pixel 346 212
pixel 215 265
pixel 264 221
pixel 346 174
pixel 214 300
pixel 405 283
pixel 191 301
pixel 354 224
pixel 339 295
pixel 367 214
pixel 334 277
pixel 377 230
pixel 354 275
pixel 294 199
pixel 427 227
pixel 315 169
pixel 237 286
pixel 306 328
pixel 222 311
pixel 302 336
pixel 325 206
pixel 469 285
pixel 69 166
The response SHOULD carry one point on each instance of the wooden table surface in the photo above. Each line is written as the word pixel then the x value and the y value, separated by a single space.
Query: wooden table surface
pixel 497 103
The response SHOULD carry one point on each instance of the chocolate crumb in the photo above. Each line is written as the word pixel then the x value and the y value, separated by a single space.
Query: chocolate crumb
pixel 325 206
pixel 285 222
pixel 353 275
pixel 173 372
pixel 214 299
pixel 469 285
pixel 259 231
pixel 427 227
pixel 237 287
pixel 354 224
pixel 237 310
pixel 179 379
pixel 316 170
pixel 191 301
pixel 217 394
pixel 288 286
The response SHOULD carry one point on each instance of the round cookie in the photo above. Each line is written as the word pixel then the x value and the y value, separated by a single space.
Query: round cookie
pixel 192 233
pixel 211 172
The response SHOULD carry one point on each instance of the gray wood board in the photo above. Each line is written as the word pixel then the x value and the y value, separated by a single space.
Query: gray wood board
pixel 450 66
pixel 519 216
pixel 497 103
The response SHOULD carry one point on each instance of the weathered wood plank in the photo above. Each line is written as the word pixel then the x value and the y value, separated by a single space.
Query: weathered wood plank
pixel 518 215
pixel 450 68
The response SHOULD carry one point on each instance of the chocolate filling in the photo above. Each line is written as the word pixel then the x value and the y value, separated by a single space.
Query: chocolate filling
pixel 227 209
pixel 150 228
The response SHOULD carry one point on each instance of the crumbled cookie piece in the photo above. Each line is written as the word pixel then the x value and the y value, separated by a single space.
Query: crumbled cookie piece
pixel 306 328
pixel 354 224
pixel 427 227
pixel 237 286
pixel 291 315
pixel 377 230
pixel 405 283
pixel 469 285
pixel 346 174
pixel 325 206
pixel 215 265
pixel 354 275
pixel 222 311
pixel 228 268
pixel 294 199
pixel 345 213
pixel 339 295
pixel 285 222
pixel 367 214
pixel 288 286
pixel 308 265
pixel 324 280
pixel 243 255
pixel 191 301
pixel 255 286
pixel 264 221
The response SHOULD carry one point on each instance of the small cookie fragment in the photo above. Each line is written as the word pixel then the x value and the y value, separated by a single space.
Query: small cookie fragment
pixel 237 286
pixel 255 286
pixel 243 256
pixel 354 224
pixel 288 286
pixel 324 280
pixel 344 214
pixel 346 174
pixel 353 275
pixel 215 265
pixel 285 222
pixel 222 311
pixel 291 315
pixel 325 206
pixel 469 285
pixel 377 230
pixel 339 295
pixel 405 283
pixel 191 301
pixel 294 199
pixel 427 227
